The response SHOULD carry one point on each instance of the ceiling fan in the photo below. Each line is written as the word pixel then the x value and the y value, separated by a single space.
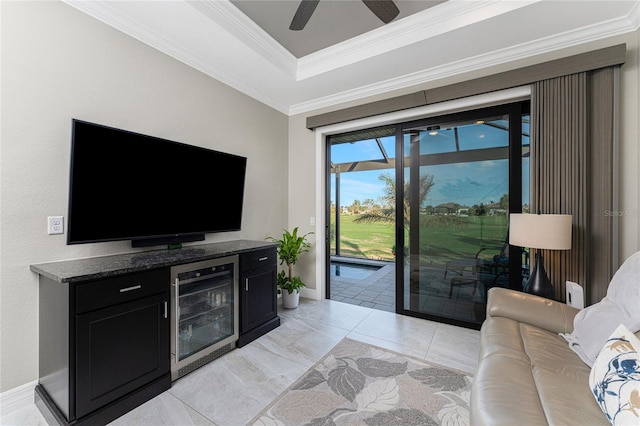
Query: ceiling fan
pixel 385 10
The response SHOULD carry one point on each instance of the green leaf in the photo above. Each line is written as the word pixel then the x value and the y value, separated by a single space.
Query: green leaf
pixel 290 247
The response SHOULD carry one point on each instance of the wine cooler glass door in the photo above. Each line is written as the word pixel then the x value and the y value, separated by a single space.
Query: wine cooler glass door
pixel 205 306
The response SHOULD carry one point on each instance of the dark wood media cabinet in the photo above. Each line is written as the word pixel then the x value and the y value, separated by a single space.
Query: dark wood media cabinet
pixel 105 326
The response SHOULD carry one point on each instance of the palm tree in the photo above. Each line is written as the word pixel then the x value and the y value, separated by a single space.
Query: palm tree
pixel 386 213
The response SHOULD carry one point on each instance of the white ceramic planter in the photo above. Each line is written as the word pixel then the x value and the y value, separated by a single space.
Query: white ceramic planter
pixel 290 300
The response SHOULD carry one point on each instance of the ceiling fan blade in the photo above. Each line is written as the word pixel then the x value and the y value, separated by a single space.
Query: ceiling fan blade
pixel 303 14
pixel 385 10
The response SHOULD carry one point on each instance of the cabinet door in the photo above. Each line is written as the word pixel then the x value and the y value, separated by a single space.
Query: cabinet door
pixel 119 349
pixel 259 298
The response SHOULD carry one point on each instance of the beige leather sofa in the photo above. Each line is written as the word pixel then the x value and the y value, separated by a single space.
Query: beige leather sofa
pixel 527 374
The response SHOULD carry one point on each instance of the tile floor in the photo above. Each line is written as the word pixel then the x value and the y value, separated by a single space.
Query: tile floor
pixel 236 387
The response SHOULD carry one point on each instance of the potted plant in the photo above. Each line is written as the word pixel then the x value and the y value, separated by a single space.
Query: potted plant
pixel 290 247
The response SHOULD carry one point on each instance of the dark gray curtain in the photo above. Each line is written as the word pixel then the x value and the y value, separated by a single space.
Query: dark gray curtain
pixel 573 122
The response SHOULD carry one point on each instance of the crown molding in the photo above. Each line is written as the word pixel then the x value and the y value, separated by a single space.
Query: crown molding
pixel 440 19
pixel 437 20
pixel 557 42
pixel 107 12
pixel 229 17
pixel 253 48
pixel 634 16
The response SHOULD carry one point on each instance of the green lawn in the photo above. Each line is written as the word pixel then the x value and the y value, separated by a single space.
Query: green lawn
pixel 439 241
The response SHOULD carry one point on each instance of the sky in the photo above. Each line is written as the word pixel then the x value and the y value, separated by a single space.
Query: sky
pixel 466 184
pixel 462 183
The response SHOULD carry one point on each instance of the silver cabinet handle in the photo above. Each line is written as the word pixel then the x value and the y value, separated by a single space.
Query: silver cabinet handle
pixel 135 287
pixel 262 259
pixel 246 284
pixel 165 310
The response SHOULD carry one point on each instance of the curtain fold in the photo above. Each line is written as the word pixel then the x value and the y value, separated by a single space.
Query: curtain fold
pixel 603 202
pixel 572 121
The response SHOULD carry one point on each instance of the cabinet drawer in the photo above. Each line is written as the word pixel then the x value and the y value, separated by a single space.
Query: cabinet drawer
pixel 259 259
pixel 110 291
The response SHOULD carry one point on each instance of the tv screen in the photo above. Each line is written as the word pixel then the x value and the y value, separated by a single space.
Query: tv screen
pixel 128 186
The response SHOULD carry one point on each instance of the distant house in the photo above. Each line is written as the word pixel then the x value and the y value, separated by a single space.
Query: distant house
pixel 446 209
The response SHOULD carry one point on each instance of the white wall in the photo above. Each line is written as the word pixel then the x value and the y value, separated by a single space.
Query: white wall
pixel 306 198
pixel 59 64
pixel 304 149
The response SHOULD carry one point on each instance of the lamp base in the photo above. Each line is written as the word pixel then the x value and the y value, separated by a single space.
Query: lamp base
pixel 539 283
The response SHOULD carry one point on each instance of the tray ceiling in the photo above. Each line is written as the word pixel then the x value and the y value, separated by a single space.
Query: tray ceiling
pixel 345 53
pixel 332 22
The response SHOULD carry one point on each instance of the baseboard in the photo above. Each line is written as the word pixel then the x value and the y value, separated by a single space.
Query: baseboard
pixel 310 293
pixel 17 398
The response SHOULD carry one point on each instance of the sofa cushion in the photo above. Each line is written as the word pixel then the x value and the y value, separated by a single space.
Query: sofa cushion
pixel 623 288
pixel 593 325
pixel 615 378
pixel 530 376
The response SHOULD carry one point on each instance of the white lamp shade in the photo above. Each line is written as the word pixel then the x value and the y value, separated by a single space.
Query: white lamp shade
pixel 540 231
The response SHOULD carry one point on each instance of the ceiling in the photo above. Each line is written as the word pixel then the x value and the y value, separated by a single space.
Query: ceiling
pixel 332 22
pixel 345 53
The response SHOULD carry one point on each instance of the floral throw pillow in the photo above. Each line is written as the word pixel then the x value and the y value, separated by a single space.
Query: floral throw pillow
pixel 615 378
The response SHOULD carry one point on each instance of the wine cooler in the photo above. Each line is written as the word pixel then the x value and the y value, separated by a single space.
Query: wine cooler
pixel 205 312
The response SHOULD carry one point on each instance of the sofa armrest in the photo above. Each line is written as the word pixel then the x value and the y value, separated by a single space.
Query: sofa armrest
pixel 547 314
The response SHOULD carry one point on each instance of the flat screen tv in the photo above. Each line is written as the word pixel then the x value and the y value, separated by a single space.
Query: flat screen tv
pixel 152 191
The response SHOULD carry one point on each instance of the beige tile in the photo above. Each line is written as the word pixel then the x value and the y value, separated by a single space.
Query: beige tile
pixel 301 340
pixel 455 347
pixel 413 351
pixel 231 389
pixel 410 335
pixel 164 409
pixel 328 312
pixel 24 416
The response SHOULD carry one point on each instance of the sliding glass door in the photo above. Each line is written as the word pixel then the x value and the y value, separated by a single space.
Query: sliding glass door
pixel 361 218
pixel 461 177
pixel 425 205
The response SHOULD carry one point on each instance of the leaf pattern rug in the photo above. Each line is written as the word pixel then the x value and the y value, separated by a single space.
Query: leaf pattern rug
pixel 359 384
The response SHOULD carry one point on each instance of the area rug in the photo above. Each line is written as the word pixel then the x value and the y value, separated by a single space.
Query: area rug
pixel 359 384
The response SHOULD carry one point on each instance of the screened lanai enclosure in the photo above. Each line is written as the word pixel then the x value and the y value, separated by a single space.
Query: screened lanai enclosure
pixel 418 216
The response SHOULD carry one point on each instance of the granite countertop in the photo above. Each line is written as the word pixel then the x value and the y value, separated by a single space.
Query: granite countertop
pixel 69 271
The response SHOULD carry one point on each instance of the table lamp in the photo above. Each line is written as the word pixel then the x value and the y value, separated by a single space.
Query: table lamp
pixel 540 231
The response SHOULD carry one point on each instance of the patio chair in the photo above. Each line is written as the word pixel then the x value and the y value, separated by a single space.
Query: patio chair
pixel 495 272
pixel 490 272
pixel 494 265
pixel 497 263
pixel 459 266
